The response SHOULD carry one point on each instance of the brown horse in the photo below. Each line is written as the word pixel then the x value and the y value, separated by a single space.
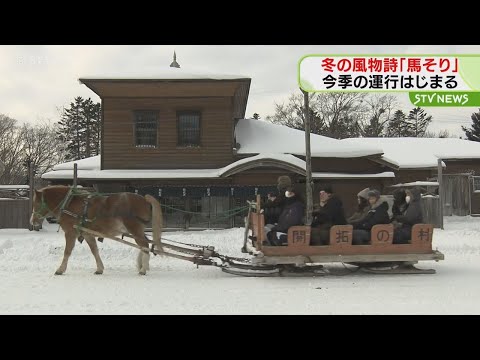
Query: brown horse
pixel 110 215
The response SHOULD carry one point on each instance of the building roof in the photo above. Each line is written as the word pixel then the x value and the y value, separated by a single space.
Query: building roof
pixel 414 153
pixel 160 73
pixel 259 136
pixel 89 169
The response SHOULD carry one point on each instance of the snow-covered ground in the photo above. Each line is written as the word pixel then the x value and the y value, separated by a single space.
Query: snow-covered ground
pixel 28 286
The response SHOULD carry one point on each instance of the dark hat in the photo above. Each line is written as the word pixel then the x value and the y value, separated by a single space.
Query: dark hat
pixel 374 193
pixel 327 189
pixel 364 193
pixel 283 182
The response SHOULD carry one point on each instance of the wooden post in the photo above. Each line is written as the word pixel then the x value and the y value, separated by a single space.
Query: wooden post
pixel 260 229
pixel 31 184
pixel 247 228
pixel 75 176
pixel 308 162
pixel 440 189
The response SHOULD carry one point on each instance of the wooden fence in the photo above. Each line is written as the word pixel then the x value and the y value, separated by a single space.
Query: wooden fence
pixel 456 194
pixel 430 208
pixel 14 213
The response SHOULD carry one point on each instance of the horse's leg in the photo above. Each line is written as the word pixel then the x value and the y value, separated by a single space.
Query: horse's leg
pixel 93 247
pixel 70 238
pixel 143 258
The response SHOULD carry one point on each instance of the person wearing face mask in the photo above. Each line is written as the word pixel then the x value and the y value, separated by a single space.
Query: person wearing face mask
pixel 378 214
pixel 399 204
pixel 413 215
pixel 292 214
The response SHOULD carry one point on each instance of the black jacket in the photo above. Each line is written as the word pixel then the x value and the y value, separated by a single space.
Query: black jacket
pixel 413 214
pixel 377 215
pixel 330 214
pixel 399 205
pixel 292 214
pixel 273 209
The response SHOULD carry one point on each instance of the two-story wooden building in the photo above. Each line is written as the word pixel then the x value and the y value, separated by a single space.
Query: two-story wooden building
pixel 183 138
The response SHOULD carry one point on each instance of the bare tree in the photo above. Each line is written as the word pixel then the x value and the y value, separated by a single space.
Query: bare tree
pixel 38 143
pixel 333 114
pixel 11 149
pixel 42 146
pixel 441 134
pixel 379 111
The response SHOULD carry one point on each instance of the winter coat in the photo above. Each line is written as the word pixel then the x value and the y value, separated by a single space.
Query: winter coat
pixel 399 204
pixel 273 209
pixel 360 213
pixel 414 214
pixel 330 214
pixel 378 214
pixel 292 214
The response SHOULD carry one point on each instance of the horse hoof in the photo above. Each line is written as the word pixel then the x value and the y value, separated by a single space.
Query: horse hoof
pixel 58 273
pixel 98 272
pixel 142 273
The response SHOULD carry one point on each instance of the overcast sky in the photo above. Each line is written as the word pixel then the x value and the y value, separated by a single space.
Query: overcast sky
pixel 36 80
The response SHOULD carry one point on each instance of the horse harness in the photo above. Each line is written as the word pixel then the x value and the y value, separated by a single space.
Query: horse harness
pixel 84 216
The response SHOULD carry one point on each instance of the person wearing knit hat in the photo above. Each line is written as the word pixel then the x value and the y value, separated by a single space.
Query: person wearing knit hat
pixel 377 214
pixel 363 207
pixel 284 182
pixel 373 193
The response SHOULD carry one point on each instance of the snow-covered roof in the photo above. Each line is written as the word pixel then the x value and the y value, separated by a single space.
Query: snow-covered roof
pixel 411 153
pixel 258 136
pixel 160 73
pixel 14 187
pixel 91 163
pixel 90 170
pixel 417 183
pixel 319 175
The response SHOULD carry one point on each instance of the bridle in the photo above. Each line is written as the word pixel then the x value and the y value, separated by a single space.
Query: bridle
pixel 44 205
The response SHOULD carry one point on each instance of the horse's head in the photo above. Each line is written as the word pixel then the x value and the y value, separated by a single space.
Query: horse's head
pixel 40 208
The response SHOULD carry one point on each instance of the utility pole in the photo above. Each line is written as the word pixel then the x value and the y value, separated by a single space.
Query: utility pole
pixel 440 189
pixel 31 184
pixel 75 175
pixel 308 161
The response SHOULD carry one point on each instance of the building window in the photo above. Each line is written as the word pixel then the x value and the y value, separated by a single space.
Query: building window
pixel 476 183
pixel 188 128
pixel 145 124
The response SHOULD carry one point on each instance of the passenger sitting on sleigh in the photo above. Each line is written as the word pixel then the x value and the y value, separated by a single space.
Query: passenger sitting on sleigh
pixel 292 215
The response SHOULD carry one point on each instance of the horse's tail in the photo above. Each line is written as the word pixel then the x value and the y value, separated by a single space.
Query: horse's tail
pixel 157 221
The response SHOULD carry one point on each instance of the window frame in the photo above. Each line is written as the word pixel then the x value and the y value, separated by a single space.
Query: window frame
pixel 189 112
pixel 135 122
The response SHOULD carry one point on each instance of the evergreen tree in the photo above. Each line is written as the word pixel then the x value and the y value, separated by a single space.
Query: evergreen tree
pixel 417 123
pixel 79 128
pixel 473 133
pixel 396 125
pixel 256 116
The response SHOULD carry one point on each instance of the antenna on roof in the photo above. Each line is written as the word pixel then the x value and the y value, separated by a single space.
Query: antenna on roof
pixel 174 62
